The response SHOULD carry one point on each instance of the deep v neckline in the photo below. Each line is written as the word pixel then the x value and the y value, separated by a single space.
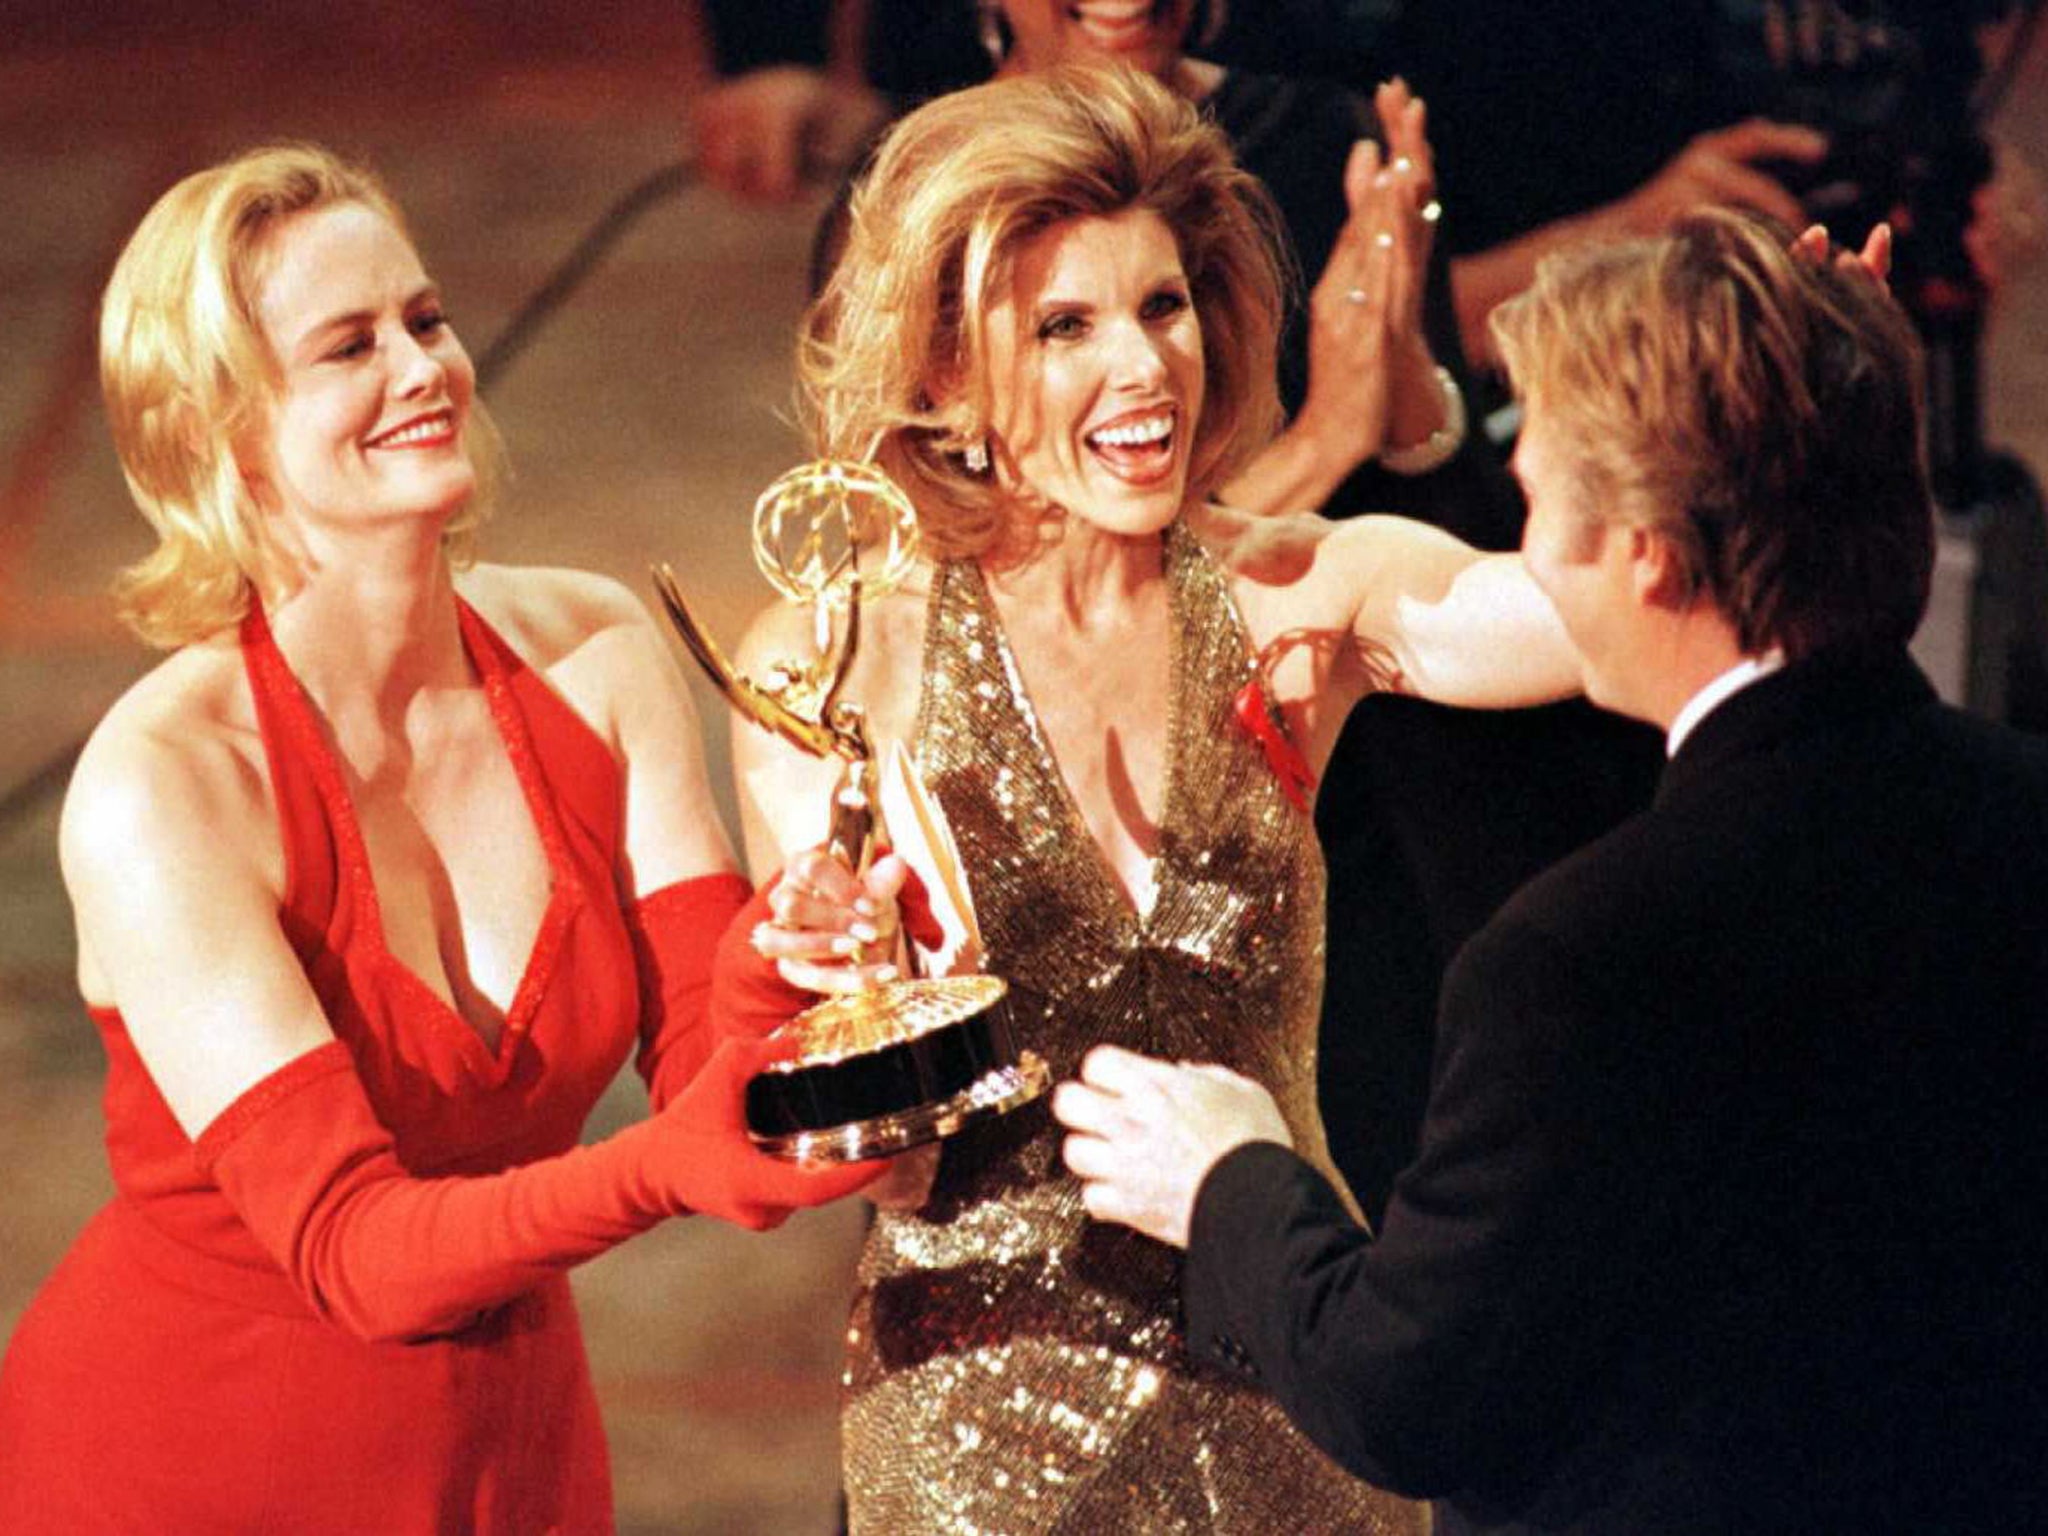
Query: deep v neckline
pixel 487 1062
pixel 1046 762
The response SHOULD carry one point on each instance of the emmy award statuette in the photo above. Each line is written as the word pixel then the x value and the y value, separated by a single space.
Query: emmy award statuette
pixel 891 1066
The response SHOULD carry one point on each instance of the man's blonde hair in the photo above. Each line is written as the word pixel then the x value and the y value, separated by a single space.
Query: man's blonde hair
pixel 187 375
pixel 1760 409
pixel 893 358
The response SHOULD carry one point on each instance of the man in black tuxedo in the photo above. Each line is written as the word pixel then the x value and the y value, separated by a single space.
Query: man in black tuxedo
pixel 1729 1214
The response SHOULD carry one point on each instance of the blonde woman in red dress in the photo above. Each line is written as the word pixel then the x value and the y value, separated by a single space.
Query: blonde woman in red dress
pixel 379 878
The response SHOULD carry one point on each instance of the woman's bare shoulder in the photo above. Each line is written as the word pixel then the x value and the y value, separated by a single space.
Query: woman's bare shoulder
pixel 1301 554
pixel 179 754
pixel 593 640
pixel 547 613
pixel 1267 549
pixel 1283 570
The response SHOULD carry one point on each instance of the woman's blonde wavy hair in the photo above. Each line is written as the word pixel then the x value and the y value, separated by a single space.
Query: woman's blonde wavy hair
pixel 187 374
pixel 893 353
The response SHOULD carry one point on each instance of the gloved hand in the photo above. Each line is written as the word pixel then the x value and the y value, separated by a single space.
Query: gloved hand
pixel 712 1165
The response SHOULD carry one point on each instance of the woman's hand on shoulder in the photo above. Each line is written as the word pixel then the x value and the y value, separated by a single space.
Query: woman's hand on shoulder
pixel 174 866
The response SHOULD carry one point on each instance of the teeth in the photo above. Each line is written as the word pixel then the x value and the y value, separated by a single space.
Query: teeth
pixel 418 432
pixel 1150 430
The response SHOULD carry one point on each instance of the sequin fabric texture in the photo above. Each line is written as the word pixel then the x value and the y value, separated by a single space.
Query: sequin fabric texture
pixel 1013 1367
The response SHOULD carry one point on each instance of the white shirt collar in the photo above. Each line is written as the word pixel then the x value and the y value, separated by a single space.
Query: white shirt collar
pixel 1719 691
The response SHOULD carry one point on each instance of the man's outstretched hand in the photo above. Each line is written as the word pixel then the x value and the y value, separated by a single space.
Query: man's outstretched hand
pixel 1143 1134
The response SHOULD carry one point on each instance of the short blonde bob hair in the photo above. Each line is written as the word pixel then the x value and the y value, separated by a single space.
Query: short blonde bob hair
pixel 893 357
pixel 187 375
pixel 1760 409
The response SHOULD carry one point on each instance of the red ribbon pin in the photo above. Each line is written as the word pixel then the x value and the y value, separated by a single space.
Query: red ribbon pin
pixel 1297 779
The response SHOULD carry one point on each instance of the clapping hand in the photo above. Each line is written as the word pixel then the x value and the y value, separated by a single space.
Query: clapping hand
pixel 1372 379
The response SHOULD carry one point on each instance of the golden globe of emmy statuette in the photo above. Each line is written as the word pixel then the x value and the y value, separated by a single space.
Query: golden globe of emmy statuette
pixel 895 1065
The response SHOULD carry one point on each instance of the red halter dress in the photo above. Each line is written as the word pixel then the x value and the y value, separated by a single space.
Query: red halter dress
pixel 175 1375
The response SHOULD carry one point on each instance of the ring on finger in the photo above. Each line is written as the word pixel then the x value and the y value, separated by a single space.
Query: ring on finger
pixel 1432 211
pixel 1402 165
pixel 1356 296
pixel 1384 240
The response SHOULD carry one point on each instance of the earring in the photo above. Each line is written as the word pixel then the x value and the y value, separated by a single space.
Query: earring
pixel 992 31
pixel 976 457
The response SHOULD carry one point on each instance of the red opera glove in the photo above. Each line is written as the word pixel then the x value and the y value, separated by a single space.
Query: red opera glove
pixel 1255 717
pixel 314 1175
pixel 749 998
pixel 675 932
pixel 727 1175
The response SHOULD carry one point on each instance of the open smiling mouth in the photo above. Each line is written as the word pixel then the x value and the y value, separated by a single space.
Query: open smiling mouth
pixel 1138 447
pixel 1120 21
pixel 423 430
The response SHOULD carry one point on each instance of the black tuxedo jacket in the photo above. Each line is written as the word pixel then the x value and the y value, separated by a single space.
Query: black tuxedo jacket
pixel 1729 1210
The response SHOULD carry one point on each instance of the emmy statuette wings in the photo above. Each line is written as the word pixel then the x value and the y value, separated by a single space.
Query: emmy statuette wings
pixel 891 1066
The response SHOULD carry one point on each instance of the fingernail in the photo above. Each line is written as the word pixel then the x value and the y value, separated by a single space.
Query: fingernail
pixel 867 933
pixel 864 906
pixel 886 973
pixel 759 936
pixel 845 944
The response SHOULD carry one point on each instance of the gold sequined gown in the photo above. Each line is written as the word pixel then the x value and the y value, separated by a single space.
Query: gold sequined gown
pixel 1012 1366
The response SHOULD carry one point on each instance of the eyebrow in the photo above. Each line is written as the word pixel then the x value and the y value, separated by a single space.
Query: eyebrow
pixel 1054 304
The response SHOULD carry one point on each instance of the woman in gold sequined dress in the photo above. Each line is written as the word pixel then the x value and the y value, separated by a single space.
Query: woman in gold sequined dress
pixel 1054 325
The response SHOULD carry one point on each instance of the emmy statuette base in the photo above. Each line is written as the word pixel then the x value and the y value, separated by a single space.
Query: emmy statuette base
pixel 996 1093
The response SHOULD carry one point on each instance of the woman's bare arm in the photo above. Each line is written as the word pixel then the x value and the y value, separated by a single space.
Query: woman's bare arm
pixel 162 847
